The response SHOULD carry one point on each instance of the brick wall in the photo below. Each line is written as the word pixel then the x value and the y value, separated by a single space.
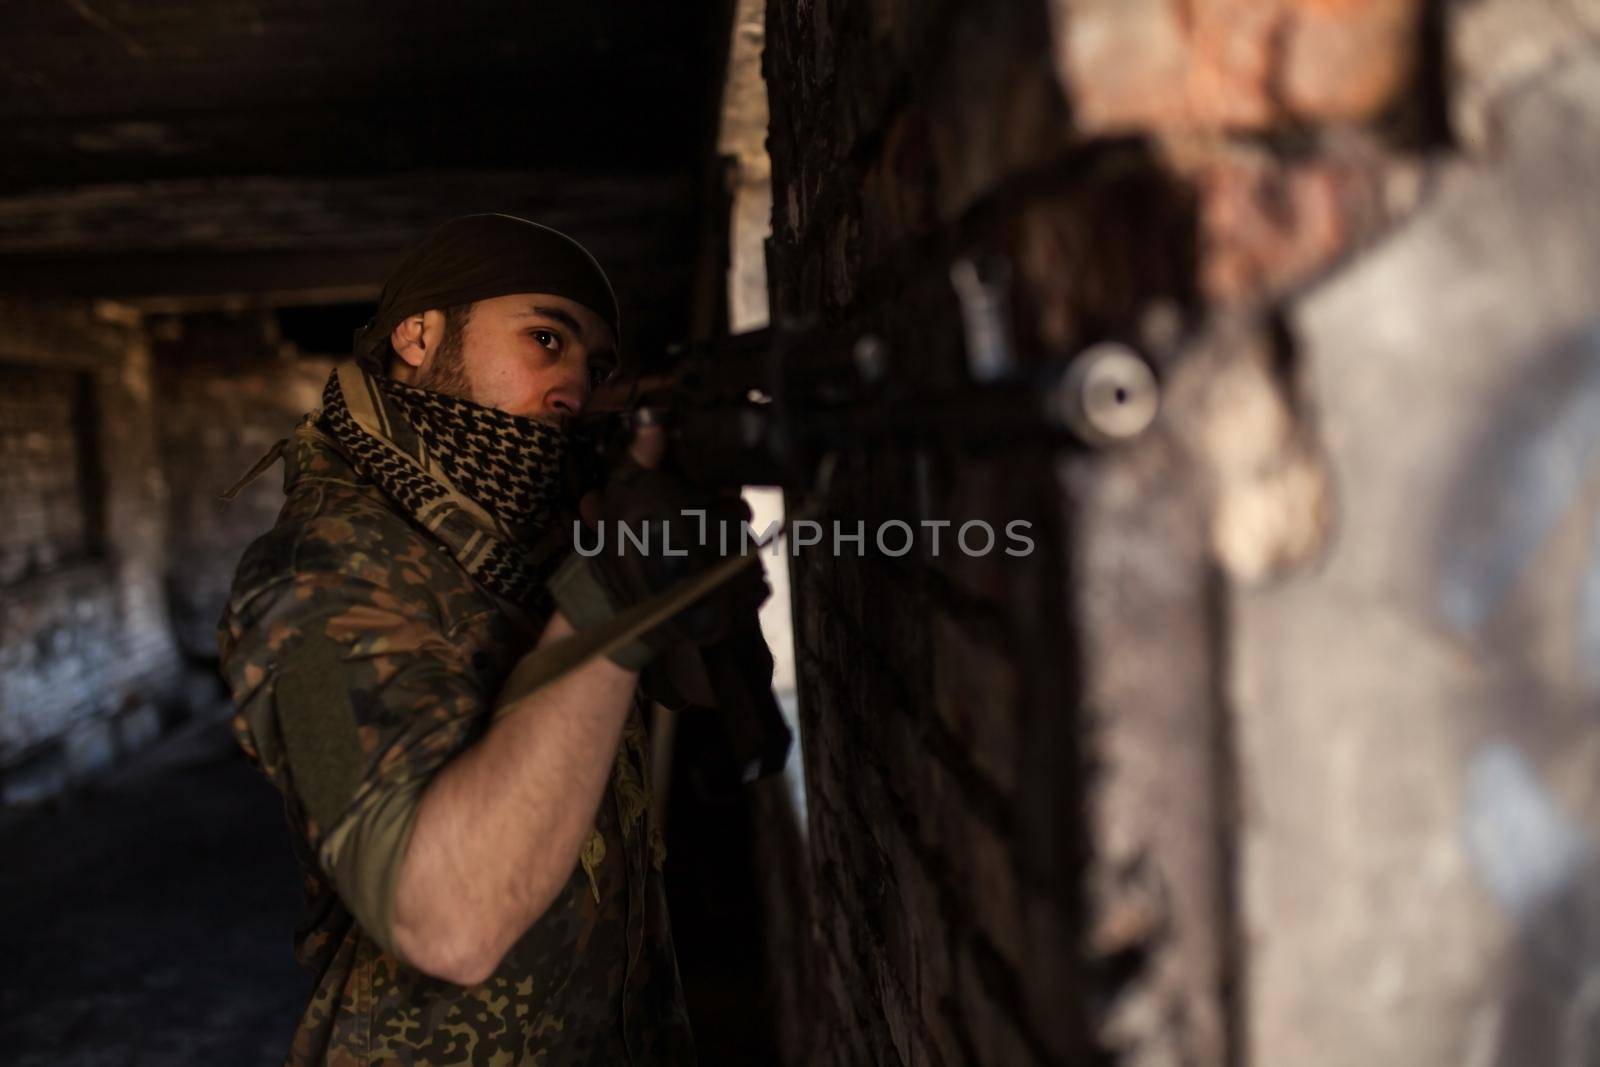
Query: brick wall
pixel 85 647
pixel 119 434
pixel 943 755
pixel 1050 819
pixel 229 388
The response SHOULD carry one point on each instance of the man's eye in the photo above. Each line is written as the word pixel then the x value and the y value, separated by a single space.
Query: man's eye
pixel 547 338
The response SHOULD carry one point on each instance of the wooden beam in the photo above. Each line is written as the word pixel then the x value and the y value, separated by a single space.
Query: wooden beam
pixel 265 212
pixel 313 240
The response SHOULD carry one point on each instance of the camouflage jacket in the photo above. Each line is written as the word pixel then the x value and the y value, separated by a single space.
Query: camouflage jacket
pixel 361 658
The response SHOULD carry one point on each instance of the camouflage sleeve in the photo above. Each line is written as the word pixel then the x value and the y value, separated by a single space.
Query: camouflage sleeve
pixel 349 698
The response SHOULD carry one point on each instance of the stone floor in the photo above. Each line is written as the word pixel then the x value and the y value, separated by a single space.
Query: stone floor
pixel 148 922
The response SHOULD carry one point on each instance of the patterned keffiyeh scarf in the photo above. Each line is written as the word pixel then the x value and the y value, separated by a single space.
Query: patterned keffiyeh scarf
pixel 486 483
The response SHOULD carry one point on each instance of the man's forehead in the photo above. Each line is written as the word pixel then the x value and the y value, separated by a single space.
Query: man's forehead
pixel 584 320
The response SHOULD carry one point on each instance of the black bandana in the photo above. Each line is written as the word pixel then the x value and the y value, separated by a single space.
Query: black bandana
pixel 477 257
pixel 486 483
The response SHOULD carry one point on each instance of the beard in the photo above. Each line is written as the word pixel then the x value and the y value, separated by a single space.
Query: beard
pixel 447 373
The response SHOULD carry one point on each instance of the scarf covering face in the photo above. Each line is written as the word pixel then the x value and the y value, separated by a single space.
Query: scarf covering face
pixel 486 483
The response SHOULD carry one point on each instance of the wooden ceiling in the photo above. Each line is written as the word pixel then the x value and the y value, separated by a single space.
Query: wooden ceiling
pixel 288 151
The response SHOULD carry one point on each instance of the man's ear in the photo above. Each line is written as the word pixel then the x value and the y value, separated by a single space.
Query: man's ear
pixel 409 339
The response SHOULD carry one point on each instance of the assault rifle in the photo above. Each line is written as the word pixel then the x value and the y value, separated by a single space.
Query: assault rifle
pixel 769 408
pixel 764 408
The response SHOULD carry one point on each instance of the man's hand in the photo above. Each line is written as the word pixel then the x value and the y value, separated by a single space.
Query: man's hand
pixel 684 531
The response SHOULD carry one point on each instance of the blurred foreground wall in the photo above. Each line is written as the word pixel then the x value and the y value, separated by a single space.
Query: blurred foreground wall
pixel 1282 747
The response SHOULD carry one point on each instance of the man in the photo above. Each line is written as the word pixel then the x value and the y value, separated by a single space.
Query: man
pixel 482 875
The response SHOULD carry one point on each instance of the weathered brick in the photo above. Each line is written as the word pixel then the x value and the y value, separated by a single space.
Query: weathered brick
pixel 908 702
pixel 1267 225
pixel 990 1023
pixel 91 747
pixel 971 683
pixel 227 384
pixel 1212 65
pixel 89 631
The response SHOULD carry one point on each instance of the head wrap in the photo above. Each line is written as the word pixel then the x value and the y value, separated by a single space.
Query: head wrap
pixel 476 257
